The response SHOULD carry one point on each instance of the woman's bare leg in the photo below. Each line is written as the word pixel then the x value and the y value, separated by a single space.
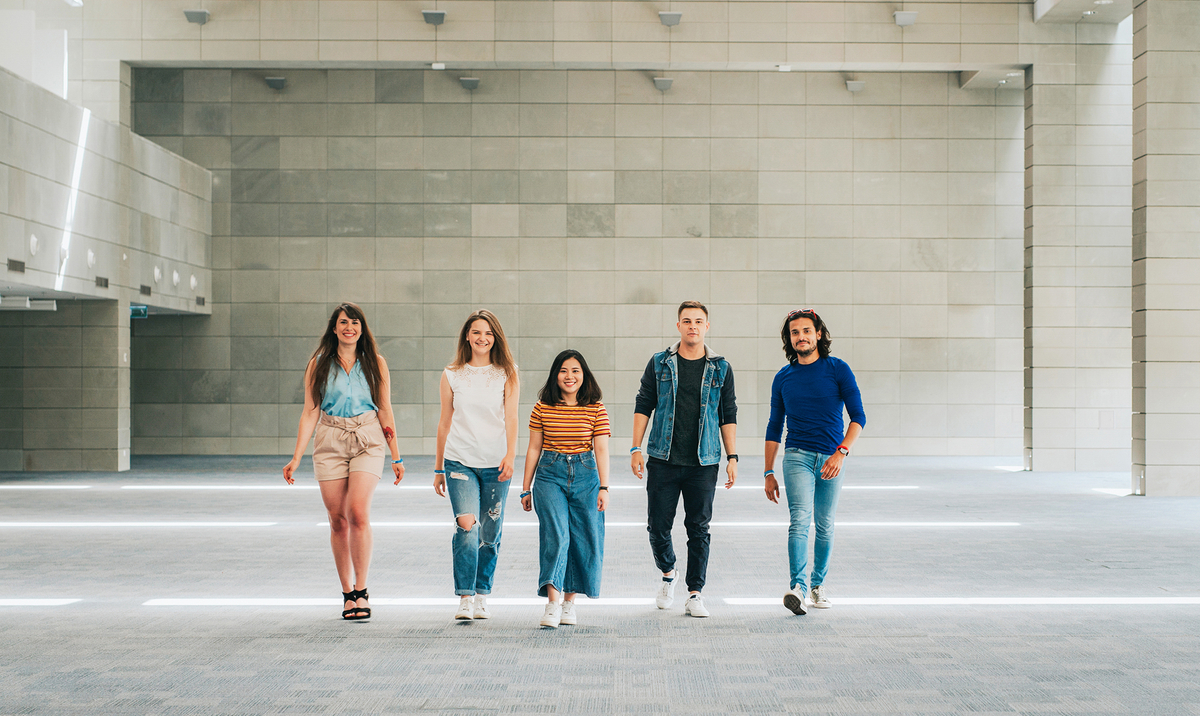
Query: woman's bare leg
pixel 334 495
pixel 358 515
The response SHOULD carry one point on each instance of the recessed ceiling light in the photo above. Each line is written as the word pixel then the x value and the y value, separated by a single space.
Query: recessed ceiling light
pixel 1087 13
pixel 1014 74
pixel 1104 2
pixel 1003 82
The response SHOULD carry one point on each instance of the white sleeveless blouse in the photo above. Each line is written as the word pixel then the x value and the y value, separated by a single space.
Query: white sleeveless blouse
pixel 477 436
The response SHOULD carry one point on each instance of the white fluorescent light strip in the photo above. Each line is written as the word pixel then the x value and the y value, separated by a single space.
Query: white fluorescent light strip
pixel 72 200
pixel 844 487
pixel 37 602
pixel 138 524
pixel 973 601
pixel 219 487
pixel 1118 491
pixel 45 487
pixel 382 602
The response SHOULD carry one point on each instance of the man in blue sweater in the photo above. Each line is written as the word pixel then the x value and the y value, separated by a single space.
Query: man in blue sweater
pixel 809 392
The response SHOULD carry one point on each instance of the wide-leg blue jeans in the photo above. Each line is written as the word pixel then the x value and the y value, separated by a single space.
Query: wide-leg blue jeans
pixel 570 528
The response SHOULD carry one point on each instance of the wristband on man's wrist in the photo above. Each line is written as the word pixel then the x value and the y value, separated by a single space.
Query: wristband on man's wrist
pixel 732 456
pixel 769 472
pixel 635 448
pixel 525 494
pixel 604 487
pixel 843 450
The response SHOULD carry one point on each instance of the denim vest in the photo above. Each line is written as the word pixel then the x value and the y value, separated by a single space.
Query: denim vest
pixel 666 371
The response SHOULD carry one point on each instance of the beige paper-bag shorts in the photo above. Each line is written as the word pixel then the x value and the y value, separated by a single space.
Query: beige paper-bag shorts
pixel 346 445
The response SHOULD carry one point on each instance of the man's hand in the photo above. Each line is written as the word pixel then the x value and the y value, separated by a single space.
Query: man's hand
pixel 638 464
pixel 731 472
pixel 833 466
pixel 772 488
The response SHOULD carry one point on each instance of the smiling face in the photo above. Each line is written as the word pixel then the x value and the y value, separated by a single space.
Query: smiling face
pixel 804 336
pixel 481 339
pixel 348 330
pixel 570 379
pixel 692 325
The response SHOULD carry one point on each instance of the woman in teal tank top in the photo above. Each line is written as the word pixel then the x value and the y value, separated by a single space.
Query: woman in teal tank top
pixel 347 402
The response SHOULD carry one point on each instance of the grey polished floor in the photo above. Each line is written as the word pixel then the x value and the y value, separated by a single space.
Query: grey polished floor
pixel 1056 537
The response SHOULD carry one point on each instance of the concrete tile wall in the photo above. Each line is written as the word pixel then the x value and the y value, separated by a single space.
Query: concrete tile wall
pixel 1166 249
pixel 1077 242
pixel 583 206
pixel 83 199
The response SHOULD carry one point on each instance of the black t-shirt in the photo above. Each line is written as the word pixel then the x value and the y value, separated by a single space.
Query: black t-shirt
pixel 685 437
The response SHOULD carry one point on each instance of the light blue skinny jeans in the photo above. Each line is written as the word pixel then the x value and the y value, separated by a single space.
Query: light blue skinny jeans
pixel 810 500
pixel 477 492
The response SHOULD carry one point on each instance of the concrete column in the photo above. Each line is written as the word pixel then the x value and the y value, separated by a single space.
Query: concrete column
pixel 1166 248
pixel 75 406
pixel 1076 267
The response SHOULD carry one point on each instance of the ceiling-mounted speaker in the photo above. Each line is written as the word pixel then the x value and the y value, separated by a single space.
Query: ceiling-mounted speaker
pixel 434 17
pixel 670 19
pixel 469 83
pixel 199 17
pixel 905 18
pixel 276 83
pixel 856 85
pixel 662 84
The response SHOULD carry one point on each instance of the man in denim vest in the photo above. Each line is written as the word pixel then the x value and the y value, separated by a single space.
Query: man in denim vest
pixel 689 391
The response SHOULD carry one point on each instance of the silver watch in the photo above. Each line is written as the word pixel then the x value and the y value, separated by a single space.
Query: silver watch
pixel 843 450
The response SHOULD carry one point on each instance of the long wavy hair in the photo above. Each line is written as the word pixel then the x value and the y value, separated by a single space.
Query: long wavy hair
pixel 785 333
pixel 366 351
pixel 501 357
pixel 589 390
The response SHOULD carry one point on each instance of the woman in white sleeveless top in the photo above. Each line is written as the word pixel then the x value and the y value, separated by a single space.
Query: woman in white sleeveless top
pixel 476 447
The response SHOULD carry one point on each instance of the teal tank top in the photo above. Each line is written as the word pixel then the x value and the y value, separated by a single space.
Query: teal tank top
pixel 347 395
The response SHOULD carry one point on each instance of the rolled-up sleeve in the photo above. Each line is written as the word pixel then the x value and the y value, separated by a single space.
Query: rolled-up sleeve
pixel 647 395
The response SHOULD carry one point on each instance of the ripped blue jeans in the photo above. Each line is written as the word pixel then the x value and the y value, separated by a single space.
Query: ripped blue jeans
pixel 478 492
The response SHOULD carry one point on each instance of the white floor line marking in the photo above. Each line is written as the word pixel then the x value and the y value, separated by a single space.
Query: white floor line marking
pixel 844 487
pixel 37 602
pixel 382 602
pixel 137 524
pixel 1010 468
pixel 972 601
pixel 1118 491
pixel 219 487
pixel 45 487
pixel 448 524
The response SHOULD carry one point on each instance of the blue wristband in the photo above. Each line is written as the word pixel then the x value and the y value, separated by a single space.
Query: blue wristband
pixel 439 472
pixel 768 472
pixel 635 449
pixel 397 462
pixel 523 495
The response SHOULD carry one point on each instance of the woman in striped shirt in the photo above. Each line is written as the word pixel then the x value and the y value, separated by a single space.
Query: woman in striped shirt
pixel 568 452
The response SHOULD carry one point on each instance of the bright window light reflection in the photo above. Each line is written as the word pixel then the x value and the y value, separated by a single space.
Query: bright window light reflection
pixel 73 201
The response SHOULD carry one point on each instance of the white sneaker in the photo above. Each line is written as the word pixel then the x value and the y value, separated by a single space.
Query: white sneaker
pixel 819 600
pixel 666 591
pixel 481 610
pixel 553 616
pixel 794 599
pixel 695 606
pixel 464 608
pixel 568 614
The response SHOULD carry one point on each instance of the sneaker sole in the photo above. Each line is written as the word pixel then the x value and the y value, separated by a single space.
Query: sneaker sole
pixel 795 604
pixel 462 618
pixel 698 616
pixel 664 606
pixel 822 606
pixel 564 622
pixel 550 626
pixel 482 616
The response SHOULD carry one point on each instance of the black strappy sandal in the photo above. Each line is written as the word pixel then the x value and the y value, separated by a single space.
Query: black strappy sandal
pixel 357 612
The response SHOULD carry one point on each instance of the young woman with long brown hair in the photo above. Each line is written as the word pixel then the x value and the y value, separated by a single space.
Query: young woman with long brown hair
pixel 476 448
pixel 347 400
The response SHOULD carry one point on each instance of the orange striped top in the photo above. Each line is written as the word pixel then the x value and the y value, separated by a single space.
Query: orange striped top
pixel 569 429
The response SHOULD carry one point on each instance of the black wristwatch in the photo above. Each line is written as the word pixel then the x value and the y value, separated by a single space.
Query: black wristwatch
pixel 732 456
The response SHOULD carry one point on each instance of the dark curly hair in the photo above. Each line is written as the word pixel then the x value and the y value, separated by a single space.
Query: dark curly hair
pixel 823 342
